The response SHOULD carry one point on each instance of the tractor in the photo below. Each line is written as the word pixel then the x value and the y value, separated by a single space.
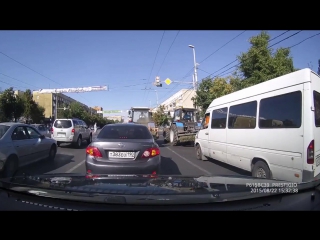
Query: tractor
pixel 143 115
pixel 183 127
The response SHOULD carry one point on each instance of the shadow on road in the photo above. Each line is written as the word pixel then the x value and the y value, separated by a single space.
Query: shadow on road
pixel 229 167
pixel 72 146
pixel 44 166
pixel 169 167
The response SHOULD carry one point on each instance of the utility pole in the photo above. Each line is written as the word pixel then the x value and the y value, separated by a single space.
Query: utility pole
pixel 195 68
pixel 319 67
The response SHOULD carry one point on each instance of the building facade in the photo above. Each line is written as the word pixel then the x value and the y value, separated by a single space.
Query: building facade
pixel 182 98
pixel 99 110
pixel 49 100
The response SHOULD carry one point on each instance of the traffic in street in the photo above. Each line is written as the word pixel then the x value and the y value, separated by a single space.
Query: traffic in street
pixel 175 160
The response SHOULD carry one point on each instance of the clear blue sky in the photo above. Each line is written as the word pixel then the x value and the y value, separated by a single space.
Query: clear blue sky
pixel 126 61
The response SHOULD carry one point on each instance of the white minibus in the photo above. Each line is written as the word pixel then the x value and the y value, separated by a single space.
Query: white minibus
pixel 271 129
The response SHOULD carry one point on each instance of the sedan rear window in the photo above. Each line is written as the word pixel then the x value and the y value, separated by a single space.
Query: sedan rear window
pixel 62 124
pixel 3 130
pixel 42 128
pixel 125 132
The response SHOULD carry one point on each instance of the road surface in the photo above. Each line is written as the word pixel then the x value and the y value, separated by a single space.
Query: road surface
pixel 178 160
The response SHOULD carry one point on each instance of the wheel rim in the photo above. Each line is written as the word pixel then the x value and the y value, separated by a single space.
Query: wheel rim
pixel 261 173
pixel 171 136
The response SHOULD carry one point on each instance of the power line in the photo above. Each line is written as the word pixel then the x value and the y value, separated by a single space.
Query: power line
pixel 237 59
pixel 168 51
pixel 18 80
pixel 154 61
pixel 34 71
pixel 191 70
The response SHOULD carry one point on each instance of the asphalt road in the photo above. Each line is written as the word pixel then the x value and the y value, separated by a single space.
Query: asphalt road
pixel 176 160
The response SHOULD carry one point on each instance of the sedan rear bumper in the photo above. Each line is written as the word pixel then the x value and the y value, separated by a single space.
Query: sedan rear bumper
pixel 148 167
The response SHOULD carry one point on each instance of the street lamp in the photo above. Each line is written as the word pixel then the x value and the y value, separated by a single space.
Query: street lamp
pixel 195 67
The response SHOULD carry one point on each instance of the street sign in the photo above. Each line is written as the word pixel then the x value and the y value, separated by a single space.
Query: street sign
pixel 168 81
pixel 112 111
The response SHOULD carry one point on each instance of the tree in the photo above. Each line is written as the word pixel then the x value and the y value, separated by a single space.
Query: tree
pixel 159 117
pixel 203 96
pixel 260 63
pixel 11 105
pixel 37 112
pixel 28 104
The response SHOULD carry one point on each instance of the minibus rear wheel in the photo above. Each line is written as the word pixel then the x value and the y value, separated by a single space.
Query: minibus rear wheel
pixel 261 170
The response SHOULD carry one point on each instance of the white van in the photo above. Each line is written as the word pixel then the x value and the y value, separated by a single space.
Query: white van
pixel 271 129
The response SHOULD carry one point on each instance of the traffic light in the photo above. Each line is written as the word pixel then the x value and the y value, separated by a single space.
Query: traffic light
pixel 158 82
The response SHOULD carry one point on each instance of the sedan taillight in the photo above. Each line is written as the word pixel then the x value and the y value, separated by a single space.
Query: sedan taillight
pixel 151 152
pixel 94 152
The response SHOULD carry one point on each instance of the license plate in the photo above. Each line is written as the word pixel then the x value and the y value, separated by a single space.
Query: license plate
pixel 121 155
pixel 61 134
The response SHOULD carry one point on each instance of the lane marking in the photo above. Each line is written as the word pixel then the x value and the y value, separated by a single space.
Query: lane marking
pixel 76 166
pixel 188 161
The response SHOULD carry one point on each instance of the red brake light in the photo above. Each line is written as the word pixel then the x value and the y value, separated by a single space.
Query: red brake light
pixel 310 153
pixel 72 131
pixel 93 151
pixel 151 152
pixel 51 130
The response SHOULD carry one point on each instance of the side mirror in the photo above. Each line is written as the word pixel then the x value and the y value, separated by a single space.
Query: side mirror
pixel 129 112
pixel 42 137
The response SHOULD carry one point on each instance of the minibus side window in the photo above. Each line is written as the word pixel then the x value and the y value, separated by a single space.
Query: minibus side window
pixel 205 121
pixel 219 118
pixel 316 100
pixel 282 111
pixel 243 116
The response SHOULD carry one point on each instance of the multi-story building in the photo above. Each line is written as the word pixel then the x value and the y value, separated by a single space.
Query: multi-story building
pixel 182 98
pixel 99 110
pixel 115 118
pixel 48 102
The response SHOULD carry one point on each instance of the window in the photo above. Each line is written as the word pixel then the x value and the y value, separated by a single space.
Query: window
pixel 283 111
pixel 62 124
pixel 33 133
pixel 42 128
pixel 205 121
pixel 316 99
pixel 243 116
pixel 219 118
pixel 125 132
pixel 3 130
pixel 19 134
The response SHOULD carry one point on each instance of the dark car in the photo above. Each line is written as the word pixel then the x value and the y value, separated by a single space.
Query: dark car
pixel 123 149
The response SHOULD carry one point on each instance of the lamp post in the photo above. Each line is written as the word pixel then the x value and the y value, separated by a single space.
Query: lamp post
pixel 195 68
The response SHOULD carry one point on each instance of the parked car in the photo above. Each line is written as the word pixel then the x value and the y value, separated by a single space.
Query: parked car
pixel 20 145
pixel 42 129
pixel 71 131
pixel 123 149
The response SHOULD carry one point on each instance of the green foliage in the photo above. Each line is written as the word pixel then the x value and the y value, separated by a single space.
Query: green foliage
pixel 11 105
pixel 159 117
pixel 76 110
pixel 259 64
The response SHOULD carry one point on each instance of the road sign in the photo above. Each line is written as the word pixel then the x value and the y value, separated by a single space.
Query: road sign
pixel 168 81
pixel 112 111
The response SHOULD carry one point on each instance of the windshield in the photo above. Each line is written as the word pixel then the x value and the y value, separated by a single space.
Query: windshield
pixel 124 132
pixel 3 130
pixel 62 124
pixel 128 103
pixel 140 115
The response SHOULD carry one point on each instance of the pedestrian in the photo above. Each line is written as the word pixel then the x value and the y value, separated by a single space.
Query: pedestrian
pixel 95 127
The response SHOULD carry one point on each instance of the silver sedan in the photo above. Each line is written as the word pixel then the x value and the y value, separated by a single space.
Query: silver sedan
pixel 123 149
pixel 22 144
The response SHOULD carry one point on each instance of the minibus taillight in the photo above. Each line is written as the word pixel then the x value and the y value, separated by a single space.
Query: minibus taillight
pixel 310 153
